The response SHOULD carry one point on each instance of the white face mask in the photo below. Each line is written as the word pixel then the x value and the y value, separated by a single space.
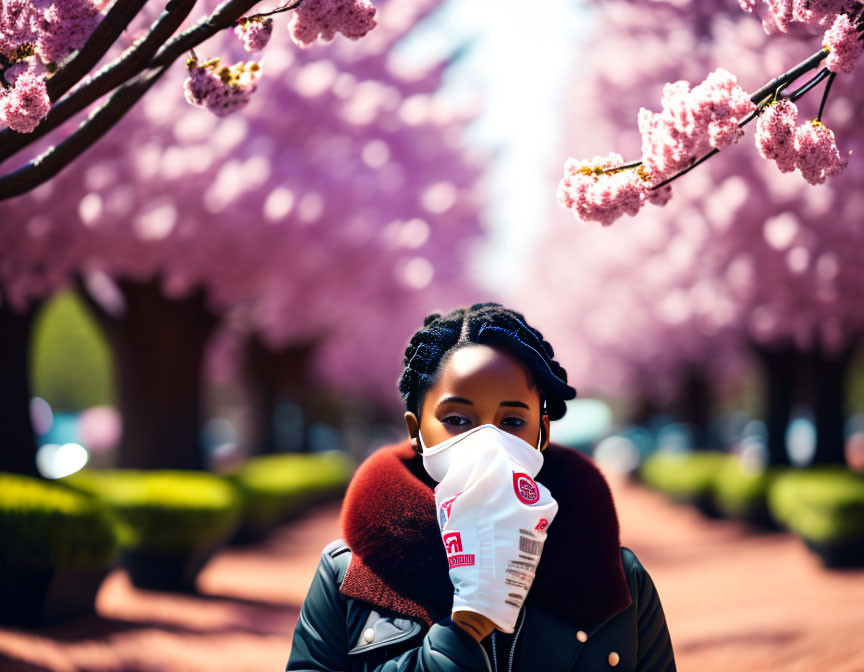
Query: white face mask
pixel 493 518
pixel 437 458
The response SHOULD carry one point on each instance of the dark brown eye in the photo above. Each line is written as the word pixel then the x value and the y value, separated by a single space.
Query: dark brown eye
pixel 455 420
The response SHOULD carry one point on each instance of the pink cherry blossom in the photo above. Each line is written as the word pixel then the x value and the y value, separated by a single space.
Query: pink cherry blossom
pixel 692 122
pixel 817 155
pixel 24 105
pixel 16 25
pixel 255 34
pixel 775 134
pixel 594 195
pixel 841 39
pixel 780 15
pixel 324 18
pixel 221 89
pixel 660 196
pixel 64 27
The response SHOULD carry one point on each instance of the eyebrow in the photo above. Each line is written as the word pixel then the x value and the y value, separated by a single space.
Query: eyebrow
pixel 462 400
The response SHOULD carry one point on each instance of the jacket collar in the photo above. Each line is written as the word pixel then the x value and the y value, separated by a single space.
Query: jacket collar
pixel 398 561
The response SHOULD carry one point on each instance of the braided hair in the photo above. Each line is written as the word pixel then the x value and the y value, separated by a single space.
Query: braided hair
pixel 488 324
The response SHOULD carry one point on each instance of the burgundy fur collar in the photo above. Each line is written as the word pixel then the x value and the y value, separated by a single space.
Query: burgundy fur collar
pixel 398 560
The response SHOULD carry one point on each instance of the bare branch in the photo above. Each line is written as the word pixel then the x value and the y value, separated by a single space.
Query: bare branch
pixel 825 95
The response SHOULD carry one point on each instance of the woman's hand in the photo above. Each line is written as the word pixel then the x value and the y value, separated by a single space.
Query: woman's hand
pixel 476 625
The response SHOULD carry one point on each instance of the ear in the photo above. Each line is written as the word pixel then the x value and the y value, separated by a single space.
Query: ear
pixel 413 425
pixel 544 429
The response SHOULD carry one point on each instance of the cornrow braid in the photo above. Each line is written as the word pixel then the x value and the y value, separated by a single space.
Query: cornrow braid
pixel 489 324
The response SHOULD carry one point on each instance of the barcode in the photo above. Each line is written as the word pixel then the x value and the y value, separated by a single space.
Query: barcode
pixel 530 545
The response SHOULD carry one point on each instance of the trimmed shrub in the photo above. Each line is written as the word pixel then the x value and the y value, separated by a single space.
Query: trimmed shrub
pixel 685 476
pixel 44 525
pixel 164 510
pixel 741 492
pixel 823 505
pixel 57 546
pixel 275 486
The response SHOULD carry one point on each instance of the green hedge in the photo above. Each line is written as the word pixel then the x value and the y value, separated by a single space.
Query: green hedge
pixel 821 504
pixel 740 492
pixel 685 476
pixel 46 526
pixel 164 510
pixel 273 486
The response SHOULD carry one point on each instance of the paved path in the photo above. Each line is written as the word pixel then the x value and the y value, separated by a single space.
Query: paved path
pixel 242 622
pixel 734 600
pixel 737 599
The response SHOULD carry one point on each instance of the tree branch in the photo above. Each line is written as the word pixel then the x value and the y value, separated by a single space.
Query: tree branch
pixel 825 95
pixel 224 16
pixel 109 29
pixel 123 68
pixel 804 88
pixel 763 95
pixel 789 76
pixel 100 121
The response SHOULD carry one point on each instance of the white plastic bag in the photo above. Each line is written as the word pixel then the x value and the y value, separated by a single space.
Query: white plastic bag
pixel 493 518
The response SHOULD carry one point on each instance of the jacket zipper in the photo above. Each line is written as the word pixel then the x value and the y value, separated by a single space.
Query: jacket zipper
pixel 494 652
pixel 485 656
pixel 512 647
pixel 515 637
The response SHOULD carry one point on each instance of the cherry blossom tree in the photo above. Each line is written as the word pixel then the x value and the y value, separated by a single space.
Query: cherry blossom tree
pixel 320 214
pixel 49 52
pixel 695 124
pixel 745 257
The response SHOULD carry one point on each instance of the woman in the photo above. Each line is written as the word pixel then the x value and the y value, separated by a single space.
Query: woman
pixel 382 596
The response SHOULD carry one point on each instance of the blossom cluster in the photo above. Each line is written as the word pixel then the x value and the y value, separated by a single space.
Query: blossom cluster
pixel 255 32
pixel 692 122
pixel 324 18
pixel 810 147
pixel 594 191
pixel 64 27
pixel 221 89
pixel 26 102
pixel 780 15
pixel 843 42
pixel 34 38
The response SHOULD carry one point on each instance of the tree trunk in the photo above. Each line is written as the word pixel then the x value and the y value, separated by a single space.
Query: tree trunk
pixel 17 438
pixel 278 388
pixel 779 367
pixel 158 347
pixel 693 405
pixel 829 404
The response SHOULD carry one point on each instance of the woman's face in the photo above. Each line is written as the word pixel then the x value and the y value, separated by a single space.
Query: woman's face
pixel 479 385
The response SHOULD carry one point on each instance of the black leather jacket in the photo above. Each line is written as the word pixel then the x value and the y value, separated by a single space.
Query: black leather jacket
pixel 339 633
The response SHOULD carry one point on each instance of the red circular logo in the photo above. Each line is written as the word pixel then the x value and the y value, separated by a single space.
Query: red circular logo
pixel 525 487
